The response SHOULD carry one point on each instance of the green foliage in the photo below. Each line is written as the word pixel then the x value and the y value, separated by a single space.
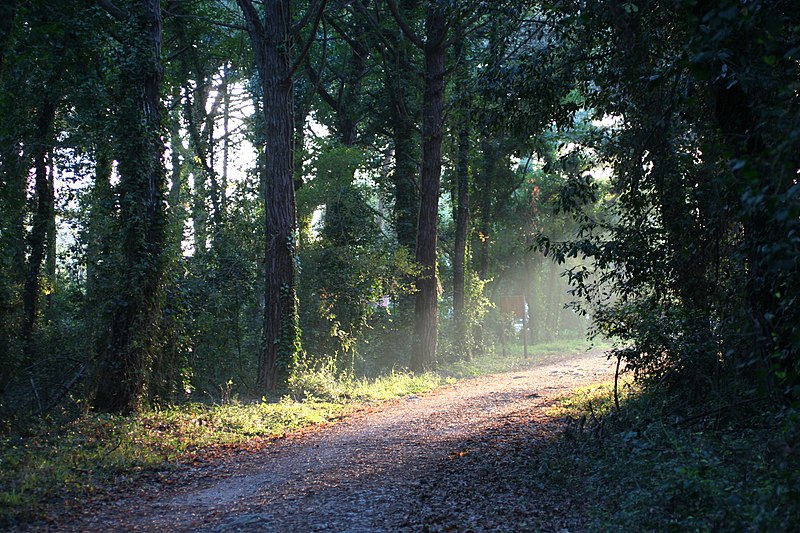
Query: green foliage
pixel 323 381
pixel 458 339
pixel 690 259
pixel 352 275
pixel 645 468
pixel 350 292
pixel 214 296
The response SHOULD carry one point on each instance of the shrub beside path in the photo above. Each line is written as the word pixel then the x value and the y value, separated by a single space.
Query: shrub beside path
pixel 463 457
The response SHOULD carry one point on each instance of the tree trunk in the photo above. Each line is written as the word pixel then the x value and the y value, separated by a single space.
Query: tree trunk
pixel 174 198
pixel 272 46
pixel 487 175
pixel 134 329
pixel 553 301
pixel 406 190
pixel 302 107
pixel 425 315
pixel 462 219
pixel 99 263
pixel 50 250
pixel 199 213
pixel 12 260
pixel 226 143
pixel 532 264
pixel 13 173
pixel 461 201
pixel 8 11
pixel 404 177
pixel 37 240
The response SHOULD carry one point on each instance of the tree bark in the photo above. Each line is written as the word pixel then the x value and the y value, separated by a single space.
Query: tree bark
pixel 272 45
pixel 134 330
pixel 462 219
pixel 12 260
pixel 554 311
pixel 101 212
pixel 425 316
pixel 404 177
pixel 8 11
pixel 462 195
pixel 487 175
pixel 37 241
pixel 50 249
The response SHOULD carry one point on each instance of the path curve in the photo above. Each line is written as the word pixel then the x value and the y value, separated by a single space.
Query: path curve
pixel 447 460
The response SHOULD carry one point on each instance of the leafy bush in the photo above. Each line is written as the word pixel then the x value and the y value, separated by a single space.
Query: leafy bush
pixel 320 381
pixel 648 468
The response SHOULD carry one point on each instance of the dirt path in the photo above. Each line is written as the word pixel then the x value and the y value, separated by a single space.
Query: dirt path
pixel 460 458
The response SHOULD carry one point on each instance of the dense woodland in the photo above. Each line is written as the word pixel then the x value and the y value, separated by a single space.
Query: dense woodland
pixel 205 195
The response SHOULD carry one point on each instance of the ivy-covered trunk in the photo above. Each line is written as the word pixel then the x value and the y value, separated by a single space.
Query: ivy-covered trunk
pixel 41 223
pixel 461 214
pixel 425 317
pixel 487 174
pixel 8 11
pixel 12 259
pixel 100 246
pixel 272 45
pixel 134 330
pixel 404 177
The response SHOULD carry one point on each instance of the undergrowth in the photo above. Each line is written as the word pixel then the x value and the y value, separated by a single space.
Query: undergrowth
pixel 647 468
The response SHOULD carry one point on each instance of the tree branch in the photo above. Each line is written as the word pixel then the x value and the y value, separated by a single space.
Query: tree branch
pixel 404 26
pixel 252 18
pixel 323 93
pixel 210 20
pixel 375 25
pixel 113 10
pixel 352 43
pixel 312 11
pixel 470 30
pixel 304 52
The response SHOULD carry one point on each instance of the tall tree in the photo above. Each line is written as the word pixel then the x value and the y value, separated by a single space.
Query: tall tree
pixel 42 226
pixel 8 12
pixel 134 329
pixel 435 51
pixel 696 260
pixel 272 36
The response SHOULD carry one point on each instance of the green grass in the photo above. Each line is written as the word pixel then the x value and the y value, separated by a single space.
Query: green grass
pixel 647 469
pixel 326 384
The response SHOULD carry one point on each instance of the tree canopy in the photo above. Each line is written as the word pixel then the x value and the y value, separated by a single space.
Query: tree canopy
pixel 199 194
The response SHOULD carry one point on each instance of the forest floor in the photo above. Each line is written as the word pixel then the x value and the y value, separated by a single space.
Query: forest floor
pixel 462 457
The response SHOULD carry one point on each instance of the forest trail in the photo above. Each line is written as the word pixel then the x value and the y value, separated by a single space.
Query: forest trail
pixel 462 457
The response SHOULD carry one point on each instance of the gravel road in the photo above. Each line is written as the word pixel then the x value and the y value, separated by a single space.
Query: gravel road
pixel 460 458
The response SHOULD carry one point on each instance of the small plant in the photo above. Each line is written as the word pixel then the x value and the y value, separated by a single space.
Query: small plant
pixel 320 381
